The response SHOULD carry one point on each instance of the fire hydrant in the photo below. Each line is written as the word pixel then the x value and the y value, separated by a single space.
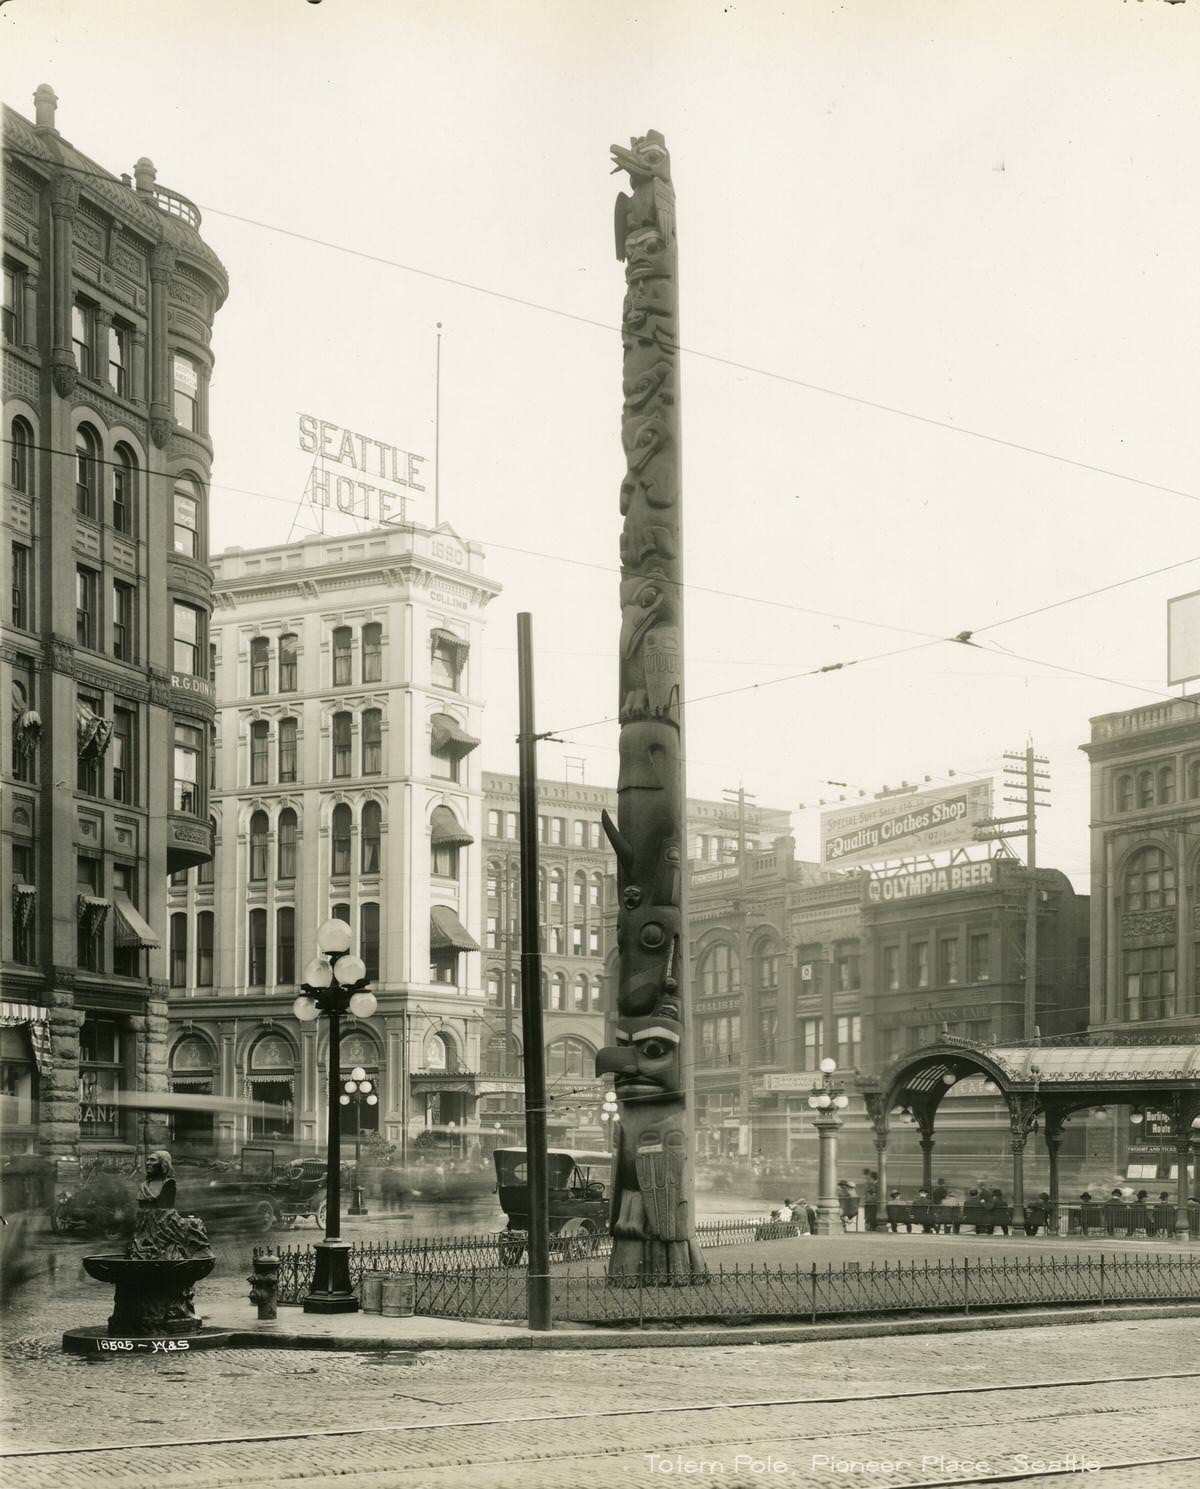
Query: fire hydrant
pixel 264 1284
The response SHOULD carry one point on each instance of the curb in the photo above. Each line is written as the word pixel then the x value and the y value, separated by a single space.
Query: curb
pixel 707 1338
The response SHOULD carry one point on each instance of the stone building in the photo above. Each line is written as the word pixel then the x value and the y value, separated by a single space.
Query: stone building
pixel 1145 933
pixel 349 677
pixel 577 913
pixel 110 294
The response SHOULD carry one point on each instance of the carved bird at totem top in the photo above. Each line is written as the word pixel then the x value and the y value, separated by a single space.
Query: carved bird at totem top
pixel 652 203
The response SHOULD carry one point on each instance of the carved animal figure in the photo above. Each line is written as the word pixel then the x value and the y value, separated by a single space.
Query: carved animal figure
pixel 652 204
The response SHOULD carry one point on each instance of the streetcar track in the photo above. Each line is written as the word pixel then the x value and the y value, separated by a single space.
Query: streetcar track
pixel 379 1430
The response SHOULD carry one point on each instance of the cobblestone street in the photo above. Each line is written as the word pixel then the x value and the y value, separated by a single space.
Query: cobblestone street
pixel 746 1415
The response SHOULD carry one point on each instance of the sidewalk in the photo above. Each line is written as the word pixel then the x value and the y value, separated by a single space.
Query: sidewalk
pixel 363 1332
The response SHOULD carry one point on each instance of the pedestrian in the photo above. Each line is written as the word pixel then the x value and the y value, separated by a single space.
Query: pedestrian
pixel 940 1190
pixel 848 1203
pixel 784 1213
pixel 999 1212
pixel 898 1213
pixel 870 1197
pixel 952 1209
pixel 801 1207
pixel 1036 1214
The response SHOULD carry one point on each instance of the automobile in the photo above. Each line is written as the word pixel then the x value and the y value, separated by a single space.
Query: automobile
pixel 298 1191
pixel 578 1190
pixel 103 1205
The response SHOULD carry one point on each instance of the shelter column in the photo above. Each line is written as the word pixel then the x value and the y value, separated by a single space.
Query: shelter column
pixel 927 1144
pixel 1018 1173
pixel 1182 1148
pixel 881 1222
pixel 1053 1144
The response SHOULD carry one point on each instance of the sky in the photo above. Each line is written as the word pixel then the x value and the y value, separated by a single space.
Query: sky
pixel 938 306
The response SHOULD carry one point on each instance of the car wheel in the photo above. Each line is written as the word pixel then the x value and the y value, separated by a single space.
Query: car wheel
pixel 262 1217
pixel 511 1252
pixel 319 1217
pixel 60 1221
pixel 576 1238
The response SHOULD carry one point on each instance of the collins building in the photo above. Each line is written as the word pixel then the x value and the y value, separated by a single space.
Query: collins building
pixel 110 293
pixel 345 785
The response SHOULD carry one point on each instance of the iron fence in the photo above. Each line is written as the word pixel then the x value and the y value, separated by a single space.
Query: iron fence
pixel 453 1253
pixel 761 1293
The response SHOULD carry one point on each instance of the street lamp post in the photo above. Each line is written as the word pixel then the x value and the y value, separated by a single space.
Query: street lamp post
pixel 610 1114
pixel 827 1100
pixel 334 983
pixel 358 1092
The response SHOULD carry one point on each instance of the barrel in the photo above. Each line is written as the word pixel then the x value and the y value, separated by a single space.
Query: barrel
pixel 372 1291
pixel 397 1297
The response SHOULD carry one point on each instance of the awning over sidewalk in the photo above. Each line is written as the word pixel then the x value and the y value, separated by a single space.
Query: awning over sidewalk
pixel 447 932
pixel 37 1019
pixel 130 929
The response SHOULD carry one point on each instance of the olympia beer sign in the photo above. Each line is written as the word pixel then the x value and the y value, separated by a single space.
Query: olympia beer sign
pixel 360 476
pixel 898 827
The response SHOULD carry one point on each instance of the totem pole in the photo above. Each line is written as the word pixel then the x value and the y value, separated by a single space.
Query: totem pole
pixel 652 1218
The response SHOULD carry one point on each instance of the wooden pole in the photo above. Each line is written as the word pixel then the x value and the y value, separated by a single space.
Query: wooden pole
pixel 531 987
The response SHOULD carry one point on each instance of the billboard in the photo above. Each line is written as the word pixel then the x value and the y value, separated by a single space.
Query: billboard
pixel 900 826
pixel 958 876
pixel 1183 637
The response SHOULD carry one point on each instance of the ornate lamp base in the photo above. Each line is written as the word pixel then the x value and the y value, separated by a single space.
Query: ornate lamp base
pixel 331 1291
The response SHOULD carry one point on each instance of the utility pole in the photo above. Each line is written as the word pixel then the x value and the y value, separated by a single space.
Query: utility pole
pixel 744 972
pixel 1023 777
pixel 506 1002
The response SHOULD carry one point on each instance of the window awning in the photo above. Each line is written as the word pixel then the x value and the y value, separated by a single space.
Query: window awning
pixel 94 910
pixel 92 733
pixel 447 932
pixel 24 897
pixel 448 737
pixel 446 831
pixel 12 1014
pixel 439 636
pixel 130 929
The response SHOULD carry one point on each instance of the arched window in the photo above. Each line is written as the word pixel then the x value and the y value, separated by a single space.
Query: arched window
pixel 372 741
pixel 570 1057
pixel 186 534
pixel 766 967
pixel 185 376
pixel 581 993
pixel 1123 794
pixel 260 665
pixel 204 949
pixel 448 655
pixel 286 845
pixel 258 847
pixel 287 662
pixel 1149 881
pixel 371 829
pixel 494 1061
pixel 1145 788
pixel 286 730
pixel 285 945
pixel 124 496
pixel 720 971
pixel 256 949
pixel 558 992
pixel 22 456
pixel 579 888
pixel 1166 785
pixel 342 641
pixel 87 472
pixel 342 737
pixel 439 1052
pixel 179 951
pixel 272 1083
pixel 368 936
pixel 1193 778
pixel 596 891
pixel 339 863
pixel 556 886
pixel 372 652
pixel 260 753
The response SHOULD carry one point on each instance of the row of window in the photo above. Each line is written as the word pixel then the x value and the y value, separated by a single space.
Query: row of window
pixel 950 970
pixel 118 500
pixel 1152 785
pixel 583 995
pixel 281 970
pixel 102 348
pixel 287 651
pixel 551 831
pixel 445 761
pixel 585 940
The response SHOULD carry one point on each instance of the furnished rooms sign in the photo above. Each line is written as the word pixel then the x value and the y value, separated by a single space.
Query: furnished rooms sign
pixel 874 831
pixel 932 881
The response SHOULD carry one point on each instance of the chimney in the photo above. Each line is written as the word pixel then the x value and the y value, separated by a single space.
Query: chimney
pixel 143 175
pixel 44 104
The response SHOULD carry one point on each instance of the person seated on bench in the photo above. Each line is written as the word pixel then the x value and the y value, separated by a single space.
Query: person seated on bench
pixel 922 1212
pixel 998 1212
pixel 898 1213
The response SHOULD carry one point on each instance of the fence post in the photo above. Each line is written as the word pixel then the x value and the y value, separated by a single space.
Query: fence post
pixel 1102 1279
pixel 641 1304
pixel 814 1293
pixel 966 1284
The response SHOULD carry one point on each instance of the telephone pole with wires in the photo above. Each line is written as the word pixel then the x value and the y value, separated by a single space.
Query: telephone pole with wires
pixel 1023 777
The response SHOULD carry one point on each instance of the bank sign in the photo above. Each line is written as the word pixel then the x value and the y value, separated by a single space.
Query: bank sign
pixel 874 831
pixel 958 876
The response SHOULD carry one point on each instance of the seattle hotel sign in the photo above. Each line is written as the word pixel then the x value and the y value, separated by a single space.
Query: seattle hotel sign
pixel 373 481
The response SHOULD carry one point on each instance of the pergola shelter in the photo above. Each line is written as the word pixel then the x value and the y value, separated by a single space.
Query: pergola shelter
pixel 1042 1083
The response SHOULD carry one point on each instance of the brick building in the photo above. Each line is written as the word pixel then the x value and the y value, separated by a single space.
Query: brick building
pixel 110 294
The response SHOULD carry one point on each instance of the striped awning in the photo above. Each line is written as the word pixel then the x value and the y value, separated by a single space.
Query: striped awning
pixel 37 1019
pixel 448 638
pixel 448 737
pixel 447 932
pixel 130 929
pixel 446 831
